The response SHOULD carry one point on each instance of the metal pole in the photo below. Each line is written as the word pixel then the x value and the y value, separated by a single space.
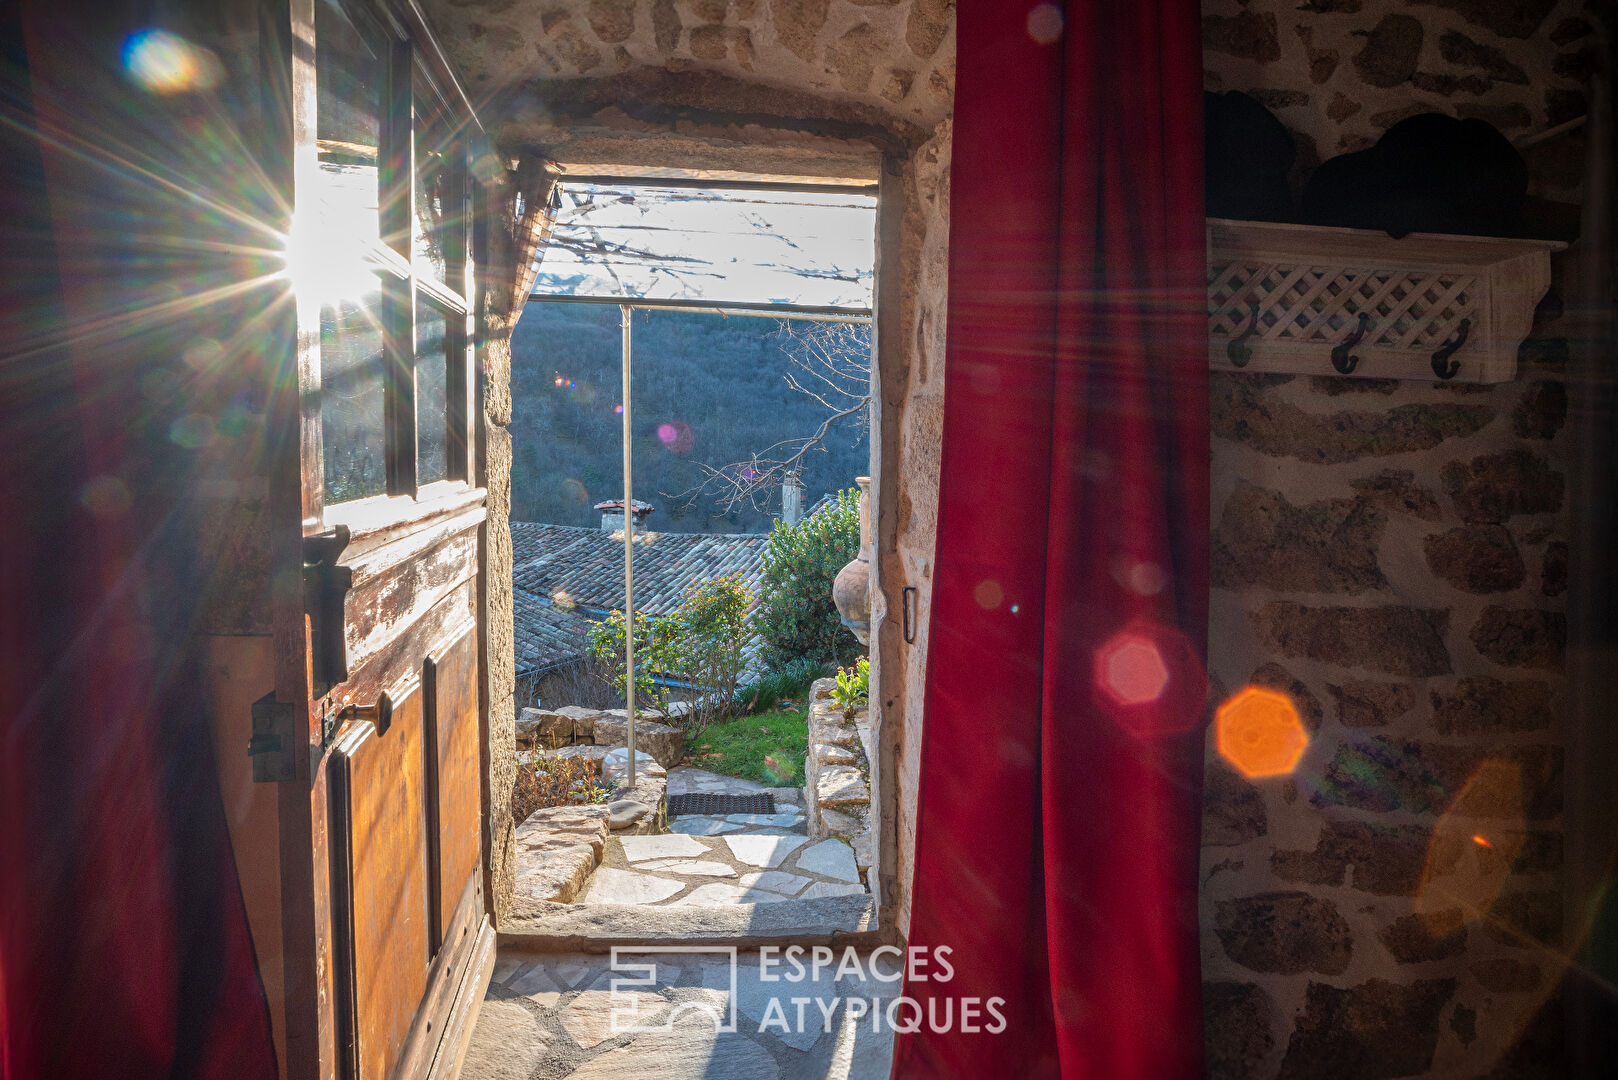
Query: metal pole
pixel 629 556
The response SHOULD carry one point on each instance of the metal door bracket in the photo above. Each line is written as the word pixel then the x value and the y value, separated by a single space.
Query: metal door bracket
pixel 325 593
pixel 272 742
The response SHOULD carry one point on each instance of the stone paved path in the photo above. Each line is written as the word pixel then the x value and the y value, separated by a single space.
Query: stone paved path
pixel 722 860
pixel 553 1018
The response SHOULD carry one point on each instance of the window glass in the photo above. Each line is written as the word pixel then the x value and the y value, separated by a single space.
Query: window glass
pixel 432 400
pixel 352 376
pixel 350 73
pixel 438 236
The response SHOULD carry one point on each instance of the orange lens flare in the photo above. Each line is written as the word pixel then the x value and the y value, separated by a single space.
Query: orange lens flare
pixel 1259 732
pixel 1466 867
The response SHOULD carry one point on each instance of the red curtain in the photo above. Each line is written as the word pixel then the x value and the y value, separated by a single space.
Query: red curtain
pixel 124 945
pixel 1058 820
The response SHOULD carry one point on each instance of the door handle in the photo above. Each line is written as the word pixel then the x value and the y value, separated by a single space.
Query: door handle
pixel 380 712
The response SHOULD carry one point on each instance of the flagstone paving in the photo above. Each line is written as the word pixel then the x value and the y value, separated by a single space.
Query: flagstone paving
pixel 560 1017
pixel 762 858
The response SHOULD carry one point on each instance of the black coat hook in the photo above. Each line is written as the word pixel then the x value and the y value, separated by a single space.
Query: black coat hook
pixel 1341 358
pixel 1443 366
pixel 1237 350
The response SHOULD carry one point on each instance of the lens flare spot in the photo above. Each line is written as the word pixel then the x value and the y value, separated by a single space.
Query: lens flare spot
pixel 203 354
pixel 192 431
pixel 1148 679
pixel 105 497
pixel 1139 576
pixel 676 436
pixel 233 422
pixel 573 490
pixel 159 386
pixel 1045 23
pixel 166 63
pixel 988 594
pixel 1131 670
pixel 1465 867
pixel 1260 733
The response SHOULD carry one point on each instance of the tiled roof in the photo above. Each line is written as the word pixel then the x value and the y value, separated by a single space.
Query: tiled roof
pixel 567 577
pixel 547 635
pixel 586 566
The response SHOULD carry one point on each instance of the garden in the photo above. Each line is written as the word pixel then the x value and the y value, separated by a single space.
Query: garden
pixel 721 681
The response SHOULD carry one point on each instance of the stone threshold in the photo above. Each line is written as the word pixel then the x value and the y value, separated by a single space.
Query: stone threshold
pixel 595 928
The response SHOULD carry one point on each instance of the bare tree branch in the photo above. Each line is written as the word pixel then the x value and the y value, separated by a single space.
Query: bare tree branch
pixel 837 356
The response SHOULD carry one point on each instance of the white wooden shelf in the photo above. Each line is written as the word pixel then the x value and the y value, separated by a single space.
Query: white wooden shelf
pixel 1304 299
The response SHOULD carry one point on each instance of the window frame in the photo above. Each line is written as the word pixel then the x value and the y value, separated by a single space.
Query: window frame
pixel 404 284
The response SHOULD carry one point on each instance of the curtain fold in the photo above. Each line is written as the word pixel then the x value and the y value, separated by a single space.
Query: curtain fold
pixel 1059 810
pixel 124 944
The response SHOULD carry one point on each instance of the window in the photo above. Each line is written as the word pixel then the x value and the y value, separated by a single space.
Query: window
pixel 388 261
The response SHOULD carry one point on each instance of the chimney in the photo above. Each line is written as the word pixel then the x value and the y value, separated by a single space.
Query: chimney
pixel 791 499
pixel 612 515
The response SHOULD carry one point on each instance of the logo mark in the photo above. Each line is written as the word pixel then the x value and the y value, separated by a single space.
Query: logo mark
pixel 630 1018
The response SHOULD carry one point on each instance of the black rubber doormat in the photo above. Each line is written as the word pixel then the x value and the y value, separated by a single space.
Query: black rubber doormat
pixel 688 805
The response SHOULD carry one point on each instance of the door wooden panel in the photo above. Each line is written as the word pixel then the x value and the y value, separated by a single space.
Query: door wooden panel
pixel 451 694
pixel 396 585
pixel 376 726
pixel 380 886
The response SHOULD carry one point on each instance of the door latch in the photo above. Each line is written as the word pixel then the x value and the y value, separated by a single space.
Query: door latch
pixel 273 741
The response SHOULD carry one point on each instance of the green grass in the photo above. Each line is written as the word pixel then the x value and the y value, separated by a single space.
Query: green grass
pixel 792 681
pixel 768 748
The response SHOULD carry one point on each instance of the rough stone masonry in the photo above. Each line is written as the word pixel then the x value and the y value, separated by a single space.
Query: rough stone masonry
pixel 1392 555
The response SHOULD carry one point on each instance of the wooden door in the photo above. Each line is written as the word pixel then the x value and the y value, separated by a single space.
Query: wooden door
pixel 380 681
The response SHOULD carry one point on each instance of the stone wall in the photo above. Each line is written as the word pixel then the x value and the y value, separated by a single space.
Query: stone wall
pixel 910 418
pixel 1340 72
pixel 815 88
pixel 890 57
pixel 1392 555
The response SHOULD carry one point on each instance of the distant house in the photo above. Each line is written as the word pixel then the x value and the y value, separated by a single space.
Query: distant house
pixel 566 578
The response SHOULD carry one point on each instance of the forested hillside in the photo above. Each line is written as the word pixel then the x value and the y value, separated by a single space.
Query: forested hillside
pixel 708 389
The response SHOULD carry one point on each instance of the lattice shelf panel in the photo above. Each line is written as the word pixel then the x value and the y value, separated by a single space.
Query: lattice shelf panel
pixel 1320 301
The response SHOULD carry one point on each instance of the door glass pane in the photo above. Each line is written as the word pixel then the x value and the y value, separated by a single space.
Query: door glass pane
pixel 350 73
pixel 438 240
pixel 432 403
pixel 352 374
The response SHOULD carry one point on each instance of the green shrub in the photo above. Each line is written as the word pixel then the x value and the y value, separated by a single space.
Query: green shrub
pixel 797 618
pixel 706 648
pixel 653 651
pixel 700 644
pixel 853 687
